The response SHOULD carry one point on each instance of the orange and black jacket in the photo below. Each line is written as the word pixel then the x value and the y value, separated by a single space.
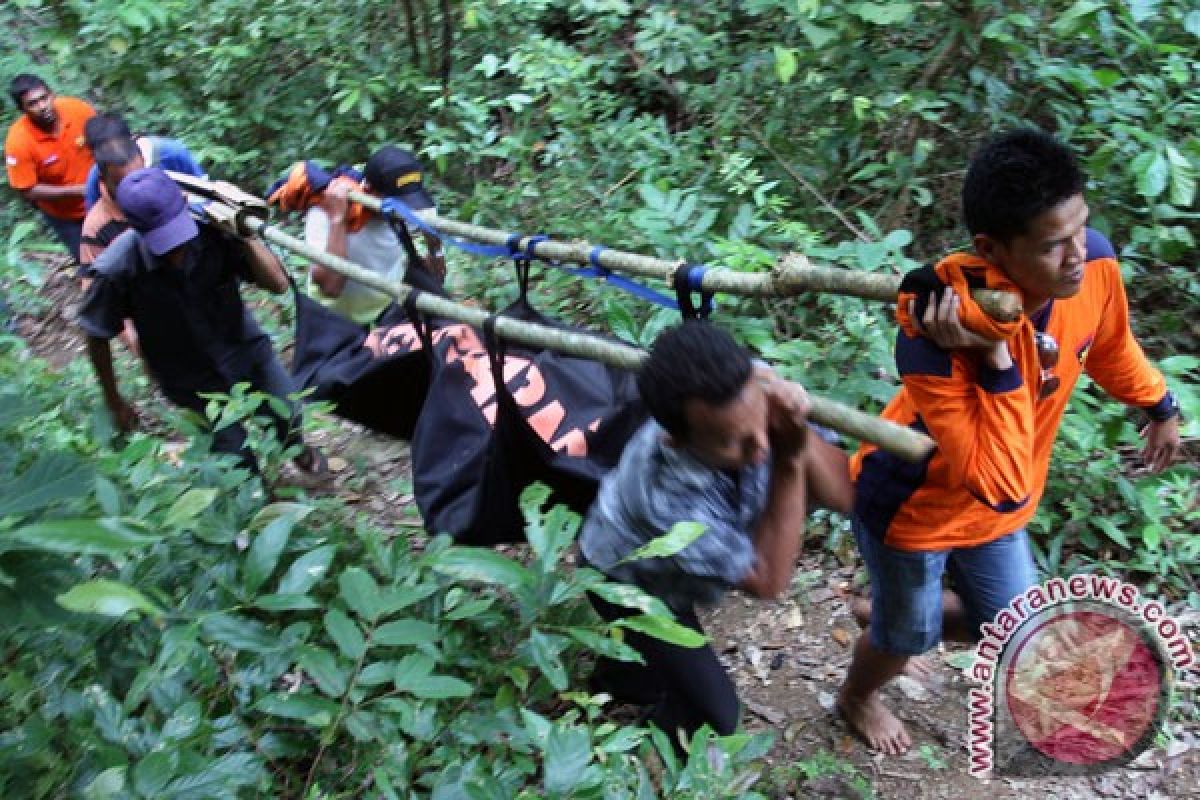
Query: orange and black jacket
pixel 993 433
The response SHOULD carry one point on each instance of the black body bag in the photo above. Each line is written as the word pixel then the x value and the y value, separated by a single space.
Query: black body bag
pixel 376 377
pixel 500 416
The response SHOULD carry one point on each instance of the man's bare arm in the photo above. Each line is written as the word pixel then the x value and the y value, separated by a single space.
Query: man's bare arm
pixel 265 268
pixel 123 414
pixel 780 531
pixel 46 191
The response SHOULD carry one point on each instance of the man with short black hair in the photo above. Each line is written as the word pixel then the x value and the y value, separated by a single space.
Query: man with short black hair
pixel 178 282
pixel 991 395
pixel 47 156
pixel 115 158
pixel 157 151
pixel 727 447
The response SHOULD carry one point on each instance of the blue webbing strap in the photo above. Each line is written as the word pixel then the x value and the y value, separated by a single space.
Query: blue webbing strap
pixel 598 270
pixel 687 281
pixel 395 206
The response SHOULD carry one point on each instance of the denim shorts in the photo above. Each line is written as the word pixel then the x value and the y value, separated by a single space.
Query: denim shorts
pixel 906 587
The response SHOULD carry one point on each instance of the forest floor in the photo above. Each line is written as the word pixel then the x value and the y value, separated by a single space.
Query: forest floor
pixel 787 657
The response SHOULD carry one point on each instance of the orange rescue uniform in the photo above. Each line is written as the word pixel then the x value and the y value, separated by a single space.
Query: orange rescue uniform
pixel 994 435
pixel 58 158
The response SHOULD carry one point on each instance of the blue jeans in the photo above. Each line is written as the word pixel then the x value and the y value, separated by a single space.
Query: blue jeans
pixel 906 587
pixel 68 231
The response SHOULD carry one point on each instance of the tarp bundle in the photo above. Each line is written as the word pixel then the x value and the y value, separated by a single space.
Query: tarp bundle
pixel 486 418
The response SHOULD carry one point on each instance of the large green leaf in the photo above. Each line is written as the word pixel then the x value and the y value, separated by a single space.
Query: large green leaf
pixel 107 785
pixel 309 708
pixel 361 593
pixel 678 538
pixel 1152 173
pixel 265 551
pixel 883 13
pixel 405 632
pixel 286 602
pixel 785 63
pixel 190 505
pixel 567 753
pixel 478 564
pixel 153 772
pixel 107 537
pixel 322 667
pixel 1183 178
pixel 110 598
pixel 53 478
pixel 307 570
pixel 663 628
pixel 622 594
pixel 437 687
pixel 544 650
pixel 240 633
pixel 219 777
pixel 345 634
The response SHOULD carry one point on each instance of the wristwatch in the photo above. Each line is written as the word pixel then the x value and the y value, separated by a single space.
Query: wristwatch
pixel 1164 409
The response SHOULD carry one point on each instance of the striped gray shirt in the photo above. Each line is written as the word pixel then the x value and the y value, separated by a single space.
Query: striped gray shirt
pixel 656 486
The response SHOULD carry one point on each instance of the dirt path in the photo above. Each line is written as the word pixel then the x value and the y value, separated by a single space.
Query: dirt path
pixel 788 658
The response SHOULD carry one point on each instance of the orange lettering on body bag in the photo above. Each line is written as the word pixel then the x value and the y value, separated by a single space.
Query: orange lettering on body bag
pixel 393 339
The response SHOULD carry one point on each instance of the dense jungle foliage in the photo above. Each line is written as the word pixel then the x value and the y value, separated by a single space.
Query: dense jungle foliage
pixel 167 635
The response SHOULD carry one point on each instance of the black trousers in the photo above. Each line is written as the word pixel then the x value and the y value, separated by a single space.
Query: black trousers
pixel 265 375
pixel 687 686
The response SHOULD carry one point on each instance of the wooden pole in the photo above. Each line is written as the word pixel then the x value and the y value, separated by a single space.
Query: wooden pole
pixel 793 275
pixel 896 439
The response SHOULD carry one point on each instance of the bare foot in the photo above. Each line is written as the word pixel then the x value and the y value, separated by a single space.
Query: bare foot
pixel 921 669
pixel 878 726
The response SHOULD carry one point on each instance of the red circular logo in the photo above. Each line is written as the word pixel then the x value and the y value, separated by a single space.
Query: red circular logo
pixel 1085 685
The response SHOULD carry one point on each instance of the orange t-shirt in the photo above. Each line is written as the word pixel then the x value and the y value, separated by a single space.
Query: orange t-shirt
pixel 59 158
pixel 994 435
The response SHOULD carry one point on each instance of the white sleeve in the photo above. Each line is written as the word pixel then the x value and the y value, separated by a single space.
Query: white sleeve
pixel 316 228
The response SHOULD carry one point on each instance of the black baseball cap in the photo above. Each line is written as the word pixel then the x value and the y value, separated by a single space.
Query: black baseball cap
pixel 394 172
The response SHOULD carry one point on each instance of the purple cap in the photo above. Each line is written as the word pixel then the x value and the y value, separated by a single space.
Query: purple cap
pixel 157 209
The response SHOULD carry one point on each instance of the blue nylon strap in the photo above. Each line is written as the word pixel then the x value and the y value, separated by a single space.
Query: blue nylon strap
pixel 512 243
pixel 621 282
pixel 394 206
pixel 511 249
pixel 533 242
pixel 688 281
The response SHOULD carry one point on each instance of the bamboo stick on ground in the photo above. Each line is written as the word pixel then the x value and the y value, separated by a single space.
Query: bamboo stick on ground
pixel 899 440
pixel 794 274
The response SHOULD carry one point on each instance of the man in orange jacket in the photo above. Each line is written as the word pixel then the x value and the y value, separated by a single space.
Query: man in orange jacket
pixel 991 395
pixel 47 157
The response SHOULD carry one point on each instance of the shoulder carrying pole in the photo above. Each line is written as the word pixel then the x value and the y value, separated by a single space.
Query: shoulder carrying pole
pixel 793 275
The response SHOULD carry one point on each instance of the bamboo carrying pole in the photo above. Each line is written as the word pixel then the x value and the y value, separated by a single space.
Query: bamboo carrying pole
pixel 793 275
pixel 896 439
